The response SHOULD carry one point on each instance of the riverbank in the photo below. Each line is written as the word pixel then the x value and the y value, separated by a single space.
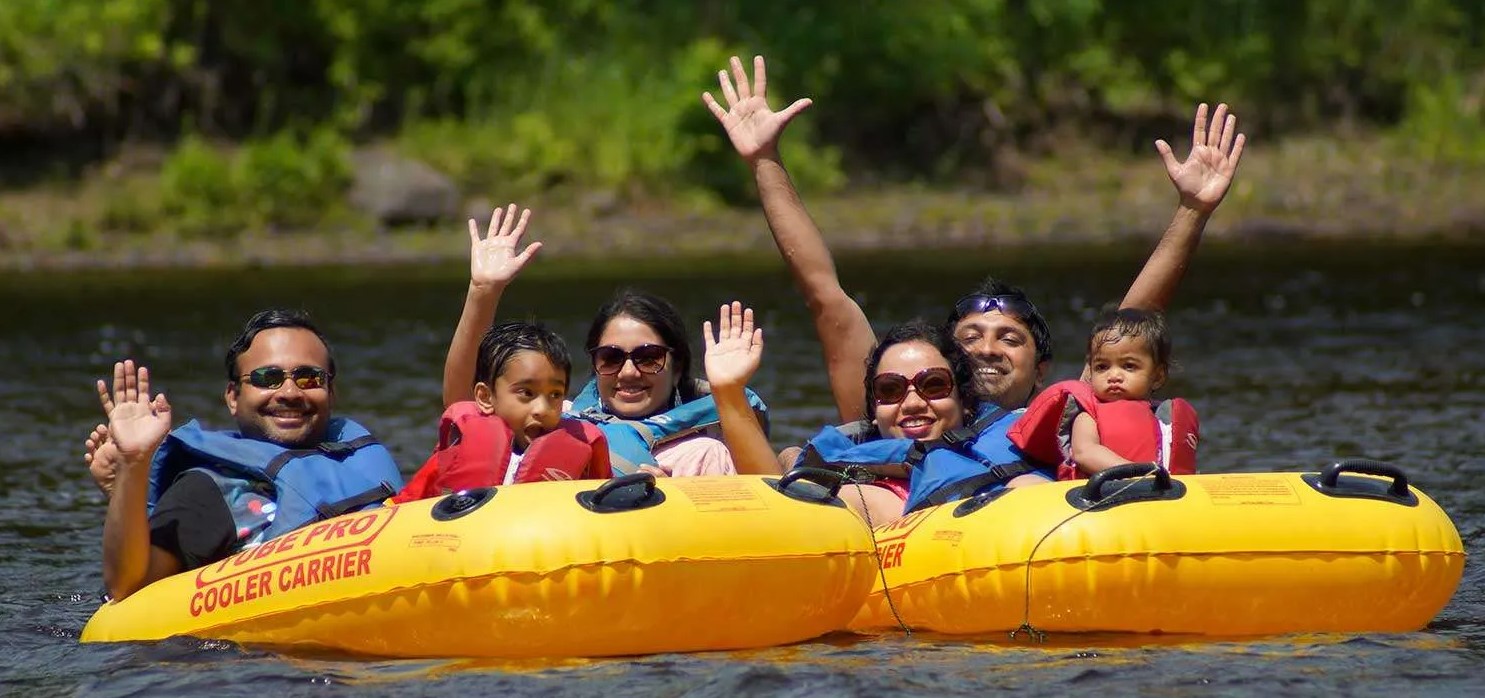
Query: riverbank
pixel 1370 187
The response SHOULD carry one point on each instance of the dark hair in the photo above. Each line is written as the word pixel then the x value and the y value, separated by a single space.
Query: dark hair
pixel 504 340
pixel 1148 325
pixel 919 330
pixel 1041 335
pixel 272 320
pixel 659 315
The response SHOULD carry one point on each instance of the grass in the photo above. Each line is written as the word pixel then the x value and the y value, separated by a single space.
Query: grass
pixel 1369 186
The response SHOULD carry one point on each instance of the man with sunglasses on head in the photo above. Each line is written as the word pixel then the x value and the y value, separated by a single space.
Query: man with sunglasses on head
pixel 185 498
pixel 997 326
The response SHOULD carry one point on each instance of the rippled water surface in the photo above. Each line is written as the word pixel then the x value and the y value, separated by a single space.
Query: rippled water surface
pixel 1294 355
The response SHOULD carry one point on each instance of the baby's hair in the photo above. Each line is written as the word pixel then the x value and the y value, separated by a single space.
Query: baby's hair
pixel 1149 325
pixel 504 340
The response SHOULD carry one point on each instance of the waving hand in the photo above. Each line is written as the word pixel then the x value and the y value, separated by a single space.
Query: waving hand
pixel 752 126
pixel 1202 180
pixel 493 261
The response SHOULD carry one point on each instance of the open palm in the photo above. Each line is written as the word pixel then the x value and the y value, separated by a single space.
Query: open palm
pixel 493 260
pixel 1204 178
pixel 733 356
pixel 751 125
pixel 136 424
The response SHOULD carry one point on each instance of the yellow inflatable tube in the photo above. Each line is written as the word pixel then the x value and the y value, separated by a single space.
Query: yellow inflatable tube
pixel 1138 551
pixel 689 564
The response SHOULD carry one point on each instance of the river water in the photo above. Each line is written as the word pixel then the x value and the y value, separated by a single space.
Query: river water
pixel 1294 355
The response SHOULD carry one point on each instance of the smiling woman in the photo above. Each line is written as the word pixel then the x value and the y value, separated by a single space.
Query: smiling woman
pixel 654 416
pixel 657 417
pixel 921 436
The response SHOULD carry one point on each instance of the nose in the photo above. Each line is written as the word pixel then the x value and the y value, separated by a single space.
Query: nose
pixel 541 407
pixel 629 370
pixel 913 402
pixel 289 391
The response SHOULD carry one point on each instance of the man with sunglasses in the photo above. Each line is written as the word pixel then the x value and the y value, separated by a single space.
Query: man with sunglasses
pixel 185 498
pixel 996 325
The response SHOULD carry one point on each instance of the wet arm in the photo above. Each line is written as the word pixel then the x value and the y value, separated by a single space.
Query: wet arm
pixel 1088 452
pixel 458 368
pixel 130 562
pixel 743 434
pixel 1156 284
pixel 845 334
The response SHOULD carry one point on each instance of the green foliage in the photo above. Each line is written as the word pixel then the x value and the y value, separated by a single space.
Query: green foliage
pixel 198 193
pixel 288 181
pixel 280 182
pixel 532 94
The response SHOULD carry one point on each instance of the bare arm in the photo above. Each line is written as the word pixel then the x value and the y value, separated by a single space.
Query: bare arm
pixel 480 303
pixel 1088 452
pixel 1201 181
pixel 137 426
pixel 732 357
pixel 130 563
pixel 754 129
pixel 493 264
pixel 845 334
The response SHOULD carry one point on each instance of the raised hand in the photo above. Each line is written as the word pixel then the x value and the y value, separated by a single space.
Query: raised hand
pixel 753 128
pixel 136 424
pixel 102 457
pixel 1202 180
pixel 493 261
pixel 733 356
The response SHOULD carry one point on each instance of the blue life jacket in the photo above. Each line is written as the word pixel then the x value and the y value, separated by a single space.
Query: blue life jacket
pixel 632 442
pixel 272 490
pixel 961 463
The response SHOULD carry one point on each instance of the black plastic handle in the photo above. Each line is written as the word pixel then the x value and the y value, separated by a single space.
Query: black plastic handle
pixel 1093 491
pixel 831 480
pixel 1330 476
pixel 620 483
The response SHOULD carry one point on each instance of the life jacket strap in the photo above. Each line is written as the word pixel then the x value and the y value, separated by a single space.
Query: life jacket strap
pixel 356 501
pixel 955 439
pixel 339 450
pixel 967 487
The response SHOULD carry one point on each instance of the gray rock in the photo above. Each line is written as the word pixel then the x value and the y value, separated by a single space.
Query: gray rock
pixel 397 190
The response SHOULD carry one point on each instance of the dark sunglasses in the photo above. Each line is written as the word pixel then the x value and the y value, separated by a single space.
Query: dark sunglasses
pixel 975 303
pixel 931 384
pixel 271 377
pixel 648 358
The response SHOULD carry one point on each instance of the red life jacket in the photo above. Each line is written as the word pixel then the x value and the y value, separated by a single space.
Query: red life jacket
pixel 1143 431
pixel 474 450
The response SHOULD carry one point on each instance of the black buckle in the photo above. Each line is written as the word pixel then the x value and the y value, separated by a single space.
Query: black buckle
pixel 336 449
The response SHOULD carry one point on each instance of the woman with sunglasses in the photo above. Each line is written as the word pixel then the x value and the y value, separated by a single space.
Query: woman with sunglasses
pixel 655 415
pixel 923 440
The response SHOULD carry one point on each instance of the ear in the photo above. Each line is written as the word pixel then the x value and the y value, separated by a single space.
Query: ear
pixel 1041 372
pixel 484 396
pixel 1158 379
pixel 230 396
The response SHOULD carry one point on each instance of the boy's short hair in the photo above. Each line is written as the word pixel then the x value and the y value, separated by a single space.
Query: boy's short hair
pixel 506 339
pixel 1118 323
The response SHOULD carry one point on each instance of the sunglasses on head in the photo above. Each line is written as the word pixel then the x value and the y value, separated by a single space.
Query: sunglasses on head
pixel 271 377
pixel 648 358
pixel 975 303
pixel 931 384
